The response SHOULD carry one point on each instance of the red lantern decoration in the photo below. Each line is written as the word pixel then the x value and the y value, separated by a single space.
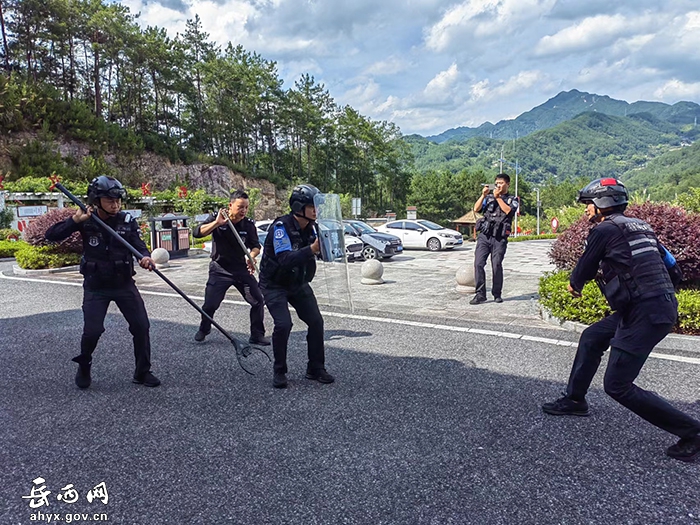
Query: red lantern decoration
pixel 182 192
pixel 145 189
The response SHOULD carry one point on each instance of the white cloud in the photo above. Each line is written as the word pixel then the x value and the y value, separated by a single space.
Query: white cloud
pixel 675 90
pixel 430 65
pixel 440 87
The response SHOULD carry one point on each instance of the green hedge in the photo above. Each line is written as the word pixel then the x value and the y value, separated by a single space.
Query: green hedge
pixel 592 306
pixel 40 257
pixel 521 238
pixel 8 248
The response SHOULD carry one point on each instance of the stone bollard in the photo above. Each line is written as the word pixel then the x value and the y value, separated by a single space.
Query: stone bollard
pixel 161 257
pixel 372 271
pixel 466 283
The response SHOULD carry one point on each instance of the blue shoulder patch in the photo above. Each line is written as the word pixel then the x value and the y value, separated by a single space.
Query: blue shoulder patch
pixel 280 240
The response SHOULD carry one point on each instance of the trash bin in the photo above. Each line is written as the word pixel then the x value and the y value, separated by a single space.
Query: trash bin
pixel 171 232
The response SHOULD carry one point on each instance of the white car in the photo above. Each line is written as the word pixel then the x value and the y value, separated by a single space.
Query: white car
pixel 423 234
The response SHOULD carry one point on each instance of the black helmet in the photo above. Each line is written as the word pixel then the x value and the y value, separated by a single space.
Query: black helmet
pixel 604 193
pixel 104 186
pixel 302 195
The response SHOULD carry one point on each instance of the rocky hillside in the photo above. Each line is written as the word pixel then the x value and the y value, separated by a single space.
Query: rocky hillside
pixel 159 171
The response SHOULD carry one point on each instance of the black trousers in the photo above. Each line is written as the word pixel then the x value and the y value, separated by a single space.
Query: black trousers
pixel 633 335
pixel 218 284
pixel 130 304
pixel 485 247
pixel 303 300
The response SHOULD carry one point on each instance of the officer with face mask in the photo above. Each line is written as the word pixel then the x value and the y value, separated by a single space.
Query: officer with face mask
pixel 108 270
pixel 638 277
pixel 288 266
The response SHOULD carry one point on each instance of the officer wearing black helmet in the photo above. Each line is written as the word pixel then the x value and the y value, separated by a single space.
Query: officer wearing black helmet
pixel 638 277
pixel 288 266
pixel 108 270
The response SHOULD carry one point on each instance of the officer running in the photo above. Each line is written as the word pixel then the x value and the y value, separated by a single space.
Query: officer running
pixel 494 228
pixel 108 270
pixel 229 266
pixel 637 282
pixel 288 266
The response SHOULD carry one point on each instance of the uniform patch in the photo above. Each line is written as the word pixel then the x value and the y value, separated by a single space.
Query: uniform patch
pixel 279 233
pixel 94 241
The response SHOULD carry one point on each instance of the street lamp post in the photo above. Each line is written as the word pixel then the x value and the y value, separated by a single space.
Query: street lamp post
pixel 538 210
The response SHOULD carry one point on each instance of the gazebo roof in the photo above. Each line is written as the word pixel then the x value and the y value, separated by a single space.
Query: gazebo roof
pixel 468 218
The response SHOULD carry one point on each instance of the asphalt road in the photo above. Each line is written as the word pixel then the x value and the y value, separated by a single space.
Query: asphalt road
pixel 425 425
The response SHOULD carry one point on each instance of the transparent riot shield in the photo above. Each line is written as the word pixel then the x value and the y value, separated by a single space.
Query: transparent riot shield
pixel 333 266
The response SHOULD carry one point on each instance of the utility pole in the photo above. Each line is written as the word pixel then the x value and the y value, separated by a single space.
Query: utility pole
pixel 501 159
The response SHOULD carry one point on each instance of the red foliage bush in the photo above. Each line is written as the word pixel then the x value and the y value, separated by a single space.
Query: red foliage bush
pixel 37 228
pixel 678 230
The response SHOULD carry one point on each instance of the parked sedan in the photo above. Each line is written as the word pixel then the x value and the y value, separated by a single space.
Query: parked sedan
pixel 376 245
pixel 423 234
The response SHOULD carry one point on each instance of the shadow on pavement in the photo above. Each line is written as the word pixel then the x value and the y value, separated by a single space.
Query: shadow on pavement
pixel 396 440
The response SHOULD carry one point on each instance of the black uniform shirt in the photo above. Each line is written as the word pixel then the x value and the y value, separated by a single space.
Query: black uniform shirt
pixel 225 249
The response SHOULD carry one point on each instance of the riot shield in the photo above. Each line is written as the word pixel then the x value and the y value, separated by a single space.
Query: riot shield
pixel 333 265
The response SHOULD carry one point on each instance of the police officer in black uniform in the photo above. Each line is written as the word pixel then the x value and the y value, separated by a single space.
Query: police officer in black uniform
pixel 108 270
pixel 288 266
pixel 230 266
pixel 638 277
pixel 494 228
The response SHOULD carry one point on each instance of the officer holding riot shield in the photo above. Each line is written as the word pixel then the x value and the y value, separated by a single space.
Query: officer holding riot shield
pixel 494 228
pixel 108 269
pixel 288 266
pixel 638 277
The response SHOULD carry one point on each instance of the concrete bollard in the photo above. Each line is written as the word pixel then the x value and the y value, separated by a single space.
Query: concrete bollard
pixel 161 257
pixel 372 271
pixel 466 283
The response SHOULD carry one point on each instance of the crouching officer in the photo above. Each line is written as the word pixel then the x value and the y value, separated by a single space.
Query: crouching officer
pixel 288 266
pixel 640 290
pixel 230 267
pixel 108 270
pixel 494 228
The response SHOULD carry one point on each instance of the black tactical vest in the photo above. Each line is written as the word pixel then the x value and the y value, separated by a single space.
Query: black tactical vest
pixel 646 275
pixel 106 261
pixel 496 222
pixel 270 268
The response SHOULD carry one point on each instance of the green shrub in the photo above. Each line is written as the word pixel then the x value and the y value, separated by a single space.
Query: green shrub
pixel 689 311
pixel 521 238
pixel 592 306
pixel 8 248
pixel 39 257
pixel 554 296
pixel 6 218
pixel 7 232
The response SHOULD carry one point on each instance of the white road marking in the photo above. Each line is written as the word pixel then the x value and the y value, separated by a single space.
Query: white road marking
pixel 389 320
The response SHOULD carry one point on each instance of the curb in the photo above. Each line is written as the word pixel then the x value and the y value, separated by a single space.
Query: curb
pixel 573 326
pixel 46 271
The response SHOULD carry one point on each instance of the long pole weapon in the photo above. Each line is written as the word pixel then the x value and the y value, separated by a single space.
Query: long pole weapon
pixel 243 350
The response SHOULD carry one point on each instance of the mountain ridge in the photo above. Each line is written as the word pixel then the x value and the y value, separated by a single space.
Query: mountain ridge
pixel 565 106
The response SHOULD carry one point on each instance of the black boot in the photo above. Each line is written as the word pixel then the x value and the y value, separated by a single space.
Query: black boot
pixel 82 377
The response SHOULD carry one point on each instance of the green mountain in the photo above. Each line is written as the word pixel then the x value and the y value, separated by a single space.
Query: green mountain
pixel 565 106
pixel 669 174
pixel 589 145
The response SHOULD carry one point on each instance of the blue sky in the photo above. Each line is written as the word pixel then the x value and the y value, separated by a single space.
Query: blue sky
pixel 431 65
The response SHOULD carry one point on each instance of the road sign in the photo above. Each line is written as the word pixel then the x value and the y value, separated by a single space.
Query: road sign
pixel 555 224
